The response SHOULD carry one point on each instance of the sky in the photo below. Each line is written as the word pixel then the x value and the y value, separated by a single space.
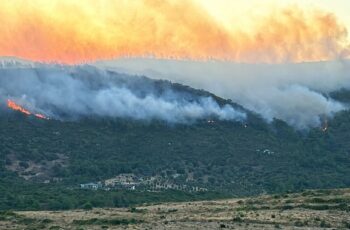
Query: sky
pixel 72 31
pixel 228 10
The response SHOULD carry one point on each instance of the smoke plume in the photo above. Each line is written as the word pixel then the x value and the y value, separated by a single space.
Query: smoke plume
pixel 69 31
pixel 295 93
pixel 72 92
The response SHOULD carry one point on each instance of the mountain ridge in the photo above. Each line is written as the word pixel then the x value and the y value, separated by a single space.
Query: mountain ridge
pixel 223 157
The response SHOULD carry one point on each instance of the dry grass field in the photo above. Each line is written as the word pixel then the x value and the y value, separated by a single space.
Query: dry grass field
pixel 314 209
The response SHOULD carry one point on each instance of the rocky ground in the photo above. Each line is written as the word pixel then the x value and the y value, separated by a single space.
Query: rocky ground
pixel 314 209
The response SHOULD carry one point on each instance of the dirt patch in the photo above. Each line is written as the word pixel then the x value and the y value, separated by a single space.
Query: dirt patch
pixel 42 171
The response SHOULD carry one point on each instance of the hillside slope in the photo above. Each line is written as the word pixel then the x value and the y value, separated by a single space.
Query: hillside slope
pixel 236 158
pixel 231 157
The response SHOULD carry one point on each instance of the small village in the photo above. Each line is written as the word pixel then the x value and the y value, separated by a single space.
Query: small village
pixel 129 181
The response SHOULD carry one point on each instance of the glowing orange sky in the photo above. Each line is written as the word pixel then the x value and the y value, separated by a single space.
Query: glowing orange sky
pixel 75 31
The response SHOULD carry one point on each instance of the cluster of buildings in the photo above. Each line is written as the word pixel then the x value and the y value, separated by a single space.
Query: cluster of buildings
pixel 130 181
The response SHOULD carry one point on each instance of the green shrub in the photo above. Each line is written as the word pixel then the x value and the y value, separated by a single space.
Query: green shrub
pixel 87 206
pixel 237 219
pixel 324 224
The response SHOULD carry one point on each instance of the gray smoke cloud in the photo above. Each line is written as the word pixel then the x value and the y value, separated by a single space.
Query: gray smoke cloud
pixel 295 93
pixel 71 92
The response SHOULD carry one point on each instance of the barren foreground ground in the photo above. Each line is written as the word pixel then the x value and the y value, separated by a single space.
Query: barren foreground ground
pixel 307 210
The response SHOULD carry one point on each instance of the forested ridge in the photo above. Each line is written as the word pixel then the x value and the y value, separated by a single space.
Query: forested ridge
pixel 227 158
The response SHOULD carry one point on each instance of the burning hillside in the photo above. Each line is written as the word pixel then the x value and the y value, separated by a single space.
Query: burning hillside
pixel 84 91
pixel 14 106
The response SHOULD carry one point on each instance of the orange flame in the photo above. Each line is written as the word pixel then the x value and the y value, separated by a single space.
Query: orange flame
pixel 14 106
pixel 74 31
pixel 41 116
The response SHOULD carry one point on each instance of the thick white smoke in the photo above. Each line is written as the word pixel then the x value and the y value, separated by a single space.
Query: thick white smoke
pixel 70 92
pixel 295 93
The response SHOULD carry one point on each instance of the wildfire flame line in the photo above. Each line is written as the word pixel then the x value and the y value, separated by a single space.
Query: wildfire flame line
pixel 14 106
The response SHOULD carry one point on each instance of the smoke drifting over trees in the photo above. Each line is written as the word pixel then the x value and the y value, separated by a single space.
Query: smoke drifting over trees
pixel 295 93
pixel 71 92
